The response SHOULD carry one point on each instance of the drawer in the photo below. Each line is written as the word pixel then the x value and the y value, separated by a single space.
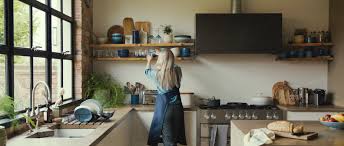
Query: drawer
pixel 206 130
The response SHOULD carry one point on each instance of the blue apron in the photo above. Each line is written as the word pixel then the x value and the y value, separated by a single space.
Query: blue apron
pixel 161 105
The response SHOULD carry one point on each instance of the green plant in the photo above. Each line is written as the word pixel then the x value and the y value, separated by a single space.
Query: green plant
pixel 7 107
pixel 105 89
pixel 167 29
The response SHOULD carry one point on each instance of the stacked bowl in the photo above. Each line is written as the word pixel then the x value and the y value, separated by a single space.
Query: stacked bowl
pixel 3 136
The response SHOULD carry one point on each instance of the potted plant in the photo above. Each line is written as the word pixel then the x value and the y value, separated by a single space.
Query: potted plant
pixel 7 107
pixel 105 89
pixel 167 37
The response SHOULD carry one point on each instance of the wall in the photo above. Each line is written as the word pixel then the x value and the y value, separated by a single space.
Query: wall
pixel 82 40
pixel 223 76
pixel 336 70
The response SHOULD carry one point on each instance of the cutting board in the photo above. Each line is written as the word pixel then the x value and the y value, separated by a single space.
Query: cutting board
pixel 305 136
pixel 114 29
pixel 145 25
pixel 128 25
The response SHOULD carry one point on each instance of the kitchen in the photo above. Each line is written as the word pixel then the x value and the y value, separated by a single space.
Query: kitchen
pixel 228 76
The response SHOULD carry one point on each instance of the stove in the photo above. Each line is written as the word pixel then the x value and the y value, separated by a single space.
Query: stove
pixel 223 114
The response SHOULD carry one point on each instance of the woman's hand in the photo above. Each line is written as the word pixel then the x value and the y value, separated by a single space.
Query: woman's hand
pixel 149 58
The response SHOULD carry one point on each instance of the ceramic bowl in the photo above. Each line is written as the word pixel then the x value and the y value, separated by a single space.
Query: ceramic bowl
pixel 102 40
pixel 123 53
pixel 84 113
pixel 182 38
pixel 334 125
pixel 175 51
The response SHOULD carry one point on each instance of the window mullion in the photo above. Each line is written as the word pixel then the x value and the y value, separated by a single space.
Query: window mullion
pixel 62 76
pixel 9 33
pixel 31 56
pixel 49 47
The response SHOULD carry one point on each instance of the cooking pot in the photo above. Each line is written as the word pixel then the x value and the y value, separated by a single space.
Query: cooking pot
pixel 213 102
pixel 261 100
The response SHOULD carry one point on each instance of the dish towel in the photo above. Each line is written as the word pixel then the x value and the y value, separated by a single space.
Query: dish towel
pixel 258 137
pixel 213 133
pixel 222 132
pixel 218 135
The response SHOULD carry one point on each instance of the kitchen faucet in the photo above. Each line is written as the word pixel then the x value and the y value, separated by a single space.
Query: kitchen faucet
pixel 36 113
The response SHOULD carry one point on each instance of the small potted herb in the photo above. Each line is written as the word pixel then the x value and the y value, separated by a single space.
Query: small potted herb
pixel 167 37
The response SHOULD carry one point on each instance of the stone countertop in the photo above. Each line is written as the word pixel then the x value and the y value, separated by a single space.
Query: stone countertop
pixel 327 136
pixel 91 140
pixel 323 108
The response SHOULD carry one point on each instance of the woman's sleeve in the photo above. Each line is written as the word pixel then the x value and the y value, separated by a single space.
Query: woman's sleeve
pixel 150 73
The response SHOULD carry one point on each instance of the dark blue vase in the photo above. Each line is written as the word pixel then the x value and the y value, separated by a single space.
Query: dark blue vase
pixel 135 99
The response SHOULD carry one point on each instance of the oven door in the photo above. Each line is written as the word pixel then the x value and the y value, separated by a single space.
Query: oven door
pixel 205 136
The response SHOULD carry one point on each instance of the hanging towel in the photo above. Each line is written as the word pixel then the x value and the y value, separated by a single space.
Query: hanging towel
pixel 221 138
pixel 213 133
pixel 258 137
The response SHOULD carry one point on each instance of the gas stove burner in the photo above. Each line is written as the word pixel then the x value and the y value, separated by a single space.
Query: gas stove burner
pixel 235 105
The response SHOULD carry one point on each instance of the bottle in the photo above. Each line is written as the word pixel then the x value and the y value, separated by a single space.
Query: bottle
pixel 143 37
pixel 327 37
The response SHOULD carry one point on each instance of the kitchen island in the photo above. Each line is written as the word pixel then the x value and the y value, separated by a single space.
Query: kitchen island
pixel 327 136
pixel 126 123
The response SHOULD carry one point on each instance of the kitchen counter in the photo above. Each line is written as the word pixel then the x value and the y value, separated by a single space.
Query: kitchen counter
pixel 323 108
pixel 327 136
pixel 91 140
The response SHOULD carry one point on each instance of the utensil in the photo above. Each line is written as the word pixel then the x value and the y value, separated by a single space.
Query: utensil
pixel 182 38
pixel 333 125
pixel 102 40
pixel 213 102
pixel 114 29
pixel 145 25
pixel 117 38
pixel 94 105
pixel 261 100
pixel 128 24
pixel 84 113
pixel 185 52
pixel 175 51
pixel 136 37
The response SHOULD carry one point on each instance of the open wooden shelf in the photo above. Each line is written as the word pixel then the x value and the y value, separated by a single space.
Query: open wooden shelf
pixel 135 58
pixel 312 45
pixel 113 46
pixel 320 58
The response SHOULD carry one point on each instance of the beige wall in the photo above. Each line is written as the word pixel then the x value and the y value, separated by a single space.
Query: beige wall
pixel 336 70
pixel 221 75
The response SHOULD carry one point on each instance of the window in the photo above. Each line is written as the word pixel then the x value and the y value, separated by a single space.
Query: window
pixel 2 75
pixel 35 45
pixel 2 34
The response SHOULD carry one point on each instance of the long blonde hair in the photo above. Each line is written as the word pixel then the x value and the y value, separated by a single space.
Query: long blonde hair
pixel 168 75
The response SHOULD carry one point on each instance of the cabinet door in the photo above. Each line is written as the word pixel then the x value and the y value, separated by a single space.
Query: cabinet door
pixel 306 116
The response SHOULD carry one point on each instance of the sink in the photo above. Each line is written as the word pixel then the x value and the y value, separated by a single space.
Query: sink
pixel 61 133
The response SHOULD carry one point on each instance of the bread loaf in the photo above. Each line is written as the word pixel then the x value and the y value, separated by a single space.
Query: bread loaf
pixel 285 126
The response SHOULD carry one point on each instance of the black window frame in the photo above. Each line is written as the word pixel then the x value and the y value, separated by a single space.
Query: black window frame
pixel 9 50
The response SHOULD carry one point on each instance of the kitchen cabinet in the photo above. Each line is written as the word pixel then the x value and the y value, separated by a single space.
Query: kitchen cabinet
pixel 306 116
pixel 133 131
pixel 120 135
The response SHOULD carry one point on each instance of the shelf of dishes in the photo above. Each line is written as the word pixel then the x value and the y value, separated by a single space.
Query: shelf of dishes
pixel 160 45
pixel 135 58
pixel 125 54
pixel 311 45
pixel 319 58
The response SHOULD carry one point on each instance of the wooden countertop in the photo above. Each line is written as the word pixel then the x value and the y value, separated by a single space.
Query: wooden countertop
pixel 91 140
pixel 327 136
pixel 323 108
